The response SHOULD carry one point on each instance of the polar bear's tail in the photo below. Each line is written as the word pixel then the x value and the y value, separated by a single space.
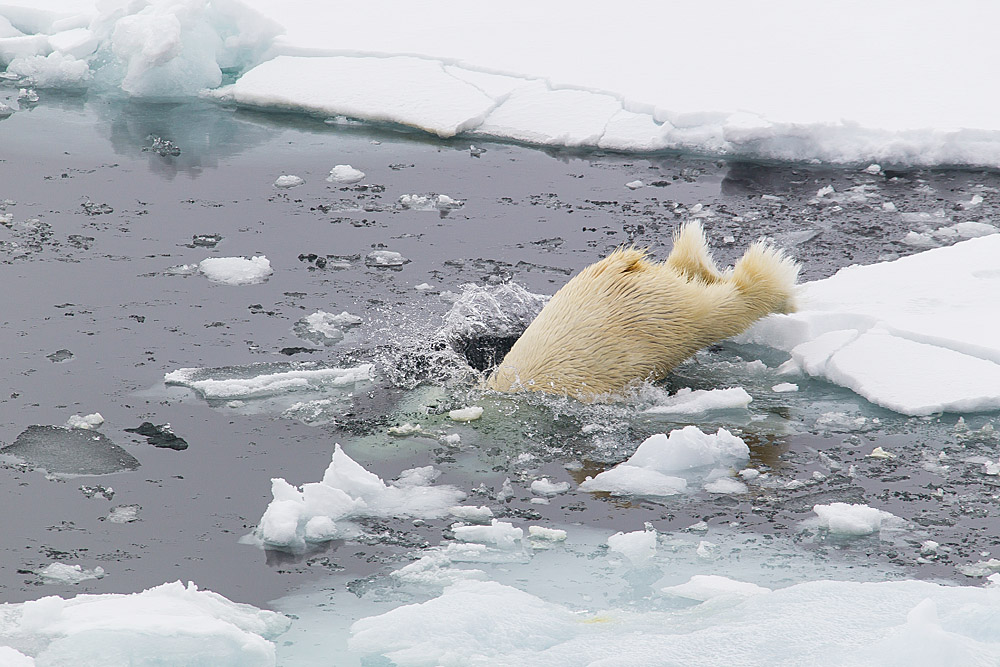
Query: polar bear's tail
pixel 765 277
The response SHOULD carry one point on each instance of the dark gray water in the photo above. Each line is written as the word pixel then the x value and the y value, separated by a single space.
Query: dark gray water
pixel 97 215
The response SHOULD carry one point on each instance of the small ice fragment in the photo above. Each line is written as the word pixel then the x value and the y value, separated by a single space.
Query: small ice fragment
pixel 236 270
pixel 544 487
pixel 638 547
pixel 981 568
pixel 452 439
pixel 476 151
pixel 506 491
pixel 749 473
pixel 785 387
pixel 423 287
pixel 634 185
pixel 346 174
pixel 707 550
pixel 124 514
pixel 90 421
pixel 59 356
pixel 888 206
pixel 501 534
pixel 381 258
pixel 429 202
pixel 469 414
pixel 405 429
pixel 97 490
pixel 699 527
pixel 288 181
pixel 824 191
pixel 481 514
pixel 879 453
pixel 853 520
pixel 550 534
pixel 27 95
pixel 991 468
pixel 873 169
pixel 928 547
pixel 726 485
pixel 69 574
pixel 729 239
pixel 539 501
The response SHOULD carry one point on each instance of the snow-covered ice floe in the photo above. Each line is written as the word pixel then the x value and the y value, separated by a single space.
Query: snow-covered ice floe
pixel 321 511
pixel 727 622
pixel 452 70
pixel 655 467
pixel 171 624
pixel 236 270
pixel 917 335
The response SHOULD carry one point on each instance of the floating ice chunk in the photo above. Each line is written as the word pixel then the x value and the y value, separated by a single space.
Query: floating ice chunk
pixel 915 335
pixel 380 258
pixel 423 287
pixel 874 169
pixel 124 514
pixel 645 472
pixel 436 567
pixel 879 453
pixel 634 185
pixel 638 547
pixel 70 451
pixel 320 511
pixel 346 174
pixel 481 514
pixel 468 414
pixel 404 430
pixel 324 328
pixel 853 520
pixel 236 270
pixel 90 421
pixel 163 625
pixel 429 202
pixel 549 534
pixel 687 402
pixel 286 181
pixel 703 587
pixel 265 379
pixel 69 574
pixel 785 387
pixel 544 487
pixel 824 191
pixel 981 568
pixel 726 485
pixel 501 534
pixel 56 70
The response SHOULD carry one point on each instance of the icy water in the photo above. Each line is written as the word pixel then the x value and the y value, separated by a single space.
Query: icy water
pixel 101 225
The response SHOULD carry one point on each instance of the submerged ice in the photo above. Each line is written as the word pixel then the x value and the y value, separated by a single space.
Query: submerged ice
pixel 70 451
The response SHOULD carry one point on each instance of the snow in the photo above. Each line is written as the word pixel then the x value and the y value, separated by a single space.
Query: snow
pixel 162 625
pixel 645 473
pixel 236 270
pixel 916 335
pixel 452 70
pixel 322 511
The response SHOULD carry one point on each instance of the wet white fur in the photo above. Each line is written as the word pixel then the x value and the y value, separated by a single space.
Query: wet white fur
pixel 625 318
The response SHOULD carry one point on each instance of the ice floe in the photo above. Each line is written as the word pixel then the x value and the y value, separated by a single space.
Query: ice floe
pixel 648 471
pixel 911 623
pixel 265 379
pixel 692 402
pixel 236 270
pixel 441 71
pixel 916 335
pixel 165 625
pixel 322 511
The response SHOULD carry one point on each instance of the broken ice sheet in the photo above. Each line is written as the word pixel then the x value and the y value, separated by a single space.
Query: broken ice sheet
pixel 324 328
pixel 69 451
pixel 261 380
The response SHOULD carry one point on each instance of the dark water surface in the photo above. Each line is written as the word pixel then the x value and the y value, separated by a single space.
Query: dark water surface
pixel 97 221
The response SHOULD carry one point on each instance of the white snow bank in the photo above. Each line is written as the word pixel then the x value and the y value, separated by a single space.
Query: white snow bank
pixel 165 625
pixel 321 511
pixel 912 623
pixel 236 270
pixel 452 69
pixel 645 473
pixel 260 380
pixel 917 335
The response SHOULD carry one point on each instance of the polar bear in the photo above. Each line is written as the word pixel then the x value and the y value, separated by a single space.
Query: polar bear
pixel 626 319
